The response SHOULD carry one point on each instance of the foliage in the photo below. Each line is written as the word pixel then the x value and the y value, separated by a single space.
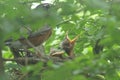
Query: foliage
pixel 92 19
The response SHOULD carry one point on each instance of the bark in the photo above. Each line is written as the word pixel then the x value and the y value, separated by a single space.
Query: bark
pixel 1 63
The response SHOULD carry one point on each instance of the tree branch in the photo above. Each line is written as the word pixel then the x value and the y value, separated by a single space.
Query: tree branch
pixel 29 59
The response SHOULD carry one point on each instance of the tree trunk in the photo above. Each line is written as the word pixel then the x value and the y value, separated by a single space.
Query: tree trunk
pixel 1 63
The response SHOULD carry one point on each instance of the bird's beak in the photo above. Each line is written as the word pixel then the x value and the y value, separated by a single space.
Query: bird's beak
pixel 74 39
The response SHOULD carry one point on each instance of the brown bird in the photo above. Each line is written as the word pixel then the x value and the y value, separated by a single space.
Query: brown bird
pixel 37 38
pixel 68 45
pixel 33 40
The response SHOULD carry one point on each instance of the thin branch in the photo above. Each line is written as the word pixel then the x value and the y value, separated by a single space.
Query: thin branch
pixel 63 22
pixel 29 43
pixel 30 59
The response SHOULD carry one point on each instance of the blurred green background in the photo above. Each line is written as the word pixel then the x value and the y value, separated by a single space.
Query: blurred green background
pixel 93 19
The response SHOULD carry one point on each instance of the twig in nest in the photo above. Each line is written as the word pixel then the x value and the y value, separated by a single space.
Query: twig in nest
pixel 23 76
